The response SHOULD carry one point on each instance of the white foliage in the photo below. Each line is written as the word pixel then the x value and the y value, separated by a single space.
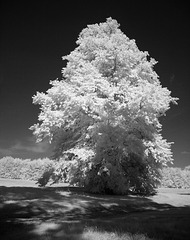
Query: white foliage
pixel 107 83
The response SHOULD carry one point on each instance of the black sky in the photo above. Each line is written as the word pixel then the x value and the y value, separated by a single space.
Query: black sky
pixel 35 35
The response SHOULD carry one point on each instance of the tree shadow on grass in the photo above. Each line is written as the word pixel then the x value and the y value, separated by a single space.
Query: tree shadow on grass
pixel 65 213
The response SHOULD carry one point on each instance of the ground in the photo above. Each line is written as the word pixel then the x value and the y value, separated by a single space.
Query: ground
pixel 61 212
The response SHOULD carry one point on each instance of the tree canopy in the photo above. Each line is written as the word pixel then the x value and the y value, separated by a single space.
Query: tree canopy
pixel 103 115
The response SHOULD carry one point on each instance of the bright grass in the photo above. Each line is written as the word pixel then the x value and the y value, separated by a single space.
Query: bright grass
pixel 95 234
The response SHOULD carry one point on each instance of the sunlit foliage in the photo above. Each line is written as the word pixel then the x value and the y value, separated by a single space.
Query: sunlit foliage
pixel 173 177
pixel 26 169
pixel 103 116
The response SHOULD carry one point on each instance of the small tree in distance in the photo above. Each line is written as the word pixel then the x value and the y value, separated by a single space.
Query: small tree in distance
pixel 103 116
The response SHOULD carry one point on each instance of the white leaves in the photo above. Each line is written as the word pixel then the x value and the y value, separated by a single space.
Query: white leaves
pixel 108 81
pixel 159 149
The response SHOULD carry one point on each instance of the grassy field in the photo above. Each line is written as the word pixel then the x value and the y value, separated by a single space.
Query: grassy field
pixel 61 212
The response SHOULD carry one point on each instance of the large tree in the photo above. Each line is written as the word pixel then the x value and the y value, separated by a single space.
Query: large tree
pixel 103 115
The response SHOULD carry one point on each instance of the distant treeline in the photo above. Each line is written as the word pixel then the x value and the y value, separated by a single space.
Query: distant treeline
pixel 27 169
pixel 174 177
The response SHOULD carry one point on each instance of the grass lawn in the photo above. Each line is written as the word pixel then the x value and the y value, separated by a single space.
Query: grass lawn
pixel 61 212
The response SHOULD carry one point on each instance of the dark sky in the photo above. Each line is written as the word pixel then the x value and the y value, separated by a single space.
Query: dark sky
pixel 35 35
